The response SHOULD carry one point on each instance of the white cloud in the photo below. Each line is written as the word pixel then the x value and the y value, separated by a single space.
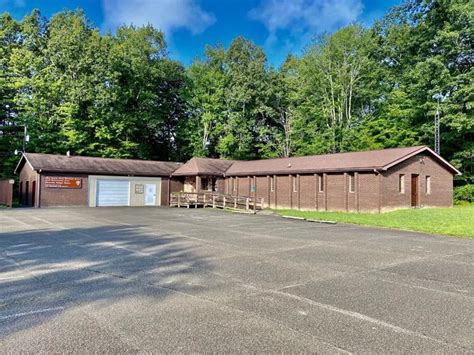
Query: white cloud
pixel 303 18
pixel 167 15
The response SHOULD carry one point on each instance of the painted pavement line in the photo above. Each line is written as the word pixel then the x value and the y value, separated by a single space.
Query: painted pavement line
pixel 23 314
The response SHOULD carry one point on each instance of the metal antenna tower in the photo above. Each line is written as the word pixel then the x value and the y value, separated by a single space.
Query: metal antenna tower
pixel 437 134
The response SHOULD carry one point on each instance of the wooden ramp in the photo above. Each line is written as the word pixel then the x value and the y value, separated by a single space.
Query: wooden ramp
pixel 215 200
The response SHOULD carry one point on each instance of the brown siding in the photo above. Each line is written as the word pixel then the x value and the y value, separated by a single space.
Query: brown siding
pixel 50 197
pixel 423 165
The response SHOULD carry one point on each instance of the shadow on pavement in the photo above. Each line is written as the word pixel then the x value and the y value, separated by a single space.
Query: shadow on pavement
pixel 43 272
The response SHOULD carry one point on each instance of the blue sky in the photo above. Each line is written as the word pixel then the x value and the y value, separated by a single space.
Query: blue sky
pixel 280 26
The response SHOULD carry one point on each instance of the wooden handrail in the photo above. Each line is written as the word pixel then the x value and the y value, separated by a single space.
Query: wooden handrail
pixel 215 200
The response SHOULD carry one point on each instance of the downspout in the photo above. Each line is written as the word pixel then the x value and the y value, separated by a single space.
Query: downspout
pixel 380 181
pixel 169 192
pixel 38 201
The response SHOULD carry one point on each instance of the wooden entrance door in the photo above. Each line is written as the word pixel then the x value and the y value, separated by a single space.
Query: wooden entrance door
pixel 414 190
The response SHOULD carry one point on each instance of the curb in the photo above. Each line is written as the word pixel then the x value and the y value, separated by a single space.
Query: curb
pixel 310 220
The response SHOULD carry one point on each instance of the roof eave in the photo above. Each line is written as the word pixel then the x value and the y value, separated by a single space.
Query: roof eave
pixel 114 173
pixel 418 151
pixel 23 157
pixel 304 171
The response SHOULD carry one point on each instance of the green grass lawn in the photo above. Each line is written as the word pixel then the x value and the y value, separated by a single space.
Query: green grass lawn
pixel 457 221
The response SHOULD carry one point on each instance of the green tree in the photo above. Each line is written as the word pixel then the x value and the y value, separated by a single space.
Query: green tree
pixel 425 51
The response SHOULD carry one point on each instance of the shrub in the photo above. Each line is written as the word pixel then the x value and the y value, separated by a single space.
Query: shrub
pixel 463 194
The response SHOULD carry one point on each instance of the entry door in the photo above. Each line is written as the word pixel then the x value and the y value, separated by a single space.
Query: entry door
pixel 414 190
pixel 150 194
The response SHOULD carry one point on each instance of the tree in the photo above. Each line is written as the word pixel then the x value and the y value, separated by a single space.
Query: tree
pixel 333 75
pixel 426 50
pixel 101 95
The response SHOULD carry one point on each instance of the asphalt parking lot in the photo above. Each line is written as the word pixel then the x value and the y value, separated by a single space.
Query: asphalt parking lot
pixel 178 280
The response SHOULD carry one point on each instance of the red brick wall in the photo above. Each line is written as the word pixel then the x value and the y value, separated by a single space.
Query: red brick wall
pixel 336 191
pixel 165 191
pixel 50 197
pixel 220 185
pixel 282 187
pixel 262 189
pixel 27 174
pixel 6 193
pixel 177 184
pixel 243 186
pixel 423 165
pixel 372 191
pixel 307 192
pixel 367 191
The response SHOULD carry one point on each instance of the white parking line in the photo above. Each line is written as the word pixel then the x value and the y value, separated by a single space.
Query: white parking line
pixel 17 315
pixel 12 277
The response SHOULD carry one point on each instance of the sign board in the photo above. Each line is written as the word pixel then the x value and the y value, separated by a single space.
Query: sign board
pixel 63 182
pixel 139 189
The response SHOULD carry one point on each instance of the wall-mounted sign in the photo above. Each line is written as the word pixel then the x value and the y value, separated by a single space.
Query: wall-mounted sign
pixel 63 182
pixel 139 189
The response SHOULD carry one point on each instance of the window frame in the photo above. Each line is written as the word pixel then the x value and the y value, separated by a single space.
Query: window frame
pixel 295 183
pixel 320 182
pixel 401 183
pixel 352 186
pixel 272 184
pixel 428 184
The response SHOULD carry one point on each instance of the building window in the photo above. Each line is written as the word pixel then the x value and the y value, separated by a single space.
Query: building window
pixel 295 183
pixel 272 183
pixel 351 183
pixel 401 183
pixel 321 183
pixel 234 184
pixel 428 185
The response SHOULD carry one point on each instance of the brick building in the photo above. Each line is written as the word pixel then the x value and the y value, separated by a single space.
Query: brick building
pixel 359 181
pixel 377 180
pixel 58 180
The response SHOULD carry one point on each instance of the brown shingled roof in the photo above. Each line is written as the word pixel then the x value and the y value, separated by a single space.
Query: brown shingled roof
pixel 354 161
pixel 204 167
pixel 92 165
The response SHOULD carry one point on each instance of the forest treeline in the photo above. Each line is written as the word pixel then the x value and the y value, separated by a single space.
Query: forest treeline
pixel 120 95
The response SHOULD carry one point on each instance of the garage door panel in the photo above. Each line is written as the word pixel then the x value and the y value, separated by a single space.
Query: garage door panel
pixel 113 193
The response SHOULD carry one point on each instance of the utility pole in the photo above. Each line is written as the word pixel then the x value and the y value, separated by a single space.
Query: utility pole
pixel 26 137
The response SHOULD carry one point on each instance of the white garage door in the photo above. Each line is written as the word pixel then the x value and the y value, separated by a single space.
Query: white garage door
pixel 113 193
